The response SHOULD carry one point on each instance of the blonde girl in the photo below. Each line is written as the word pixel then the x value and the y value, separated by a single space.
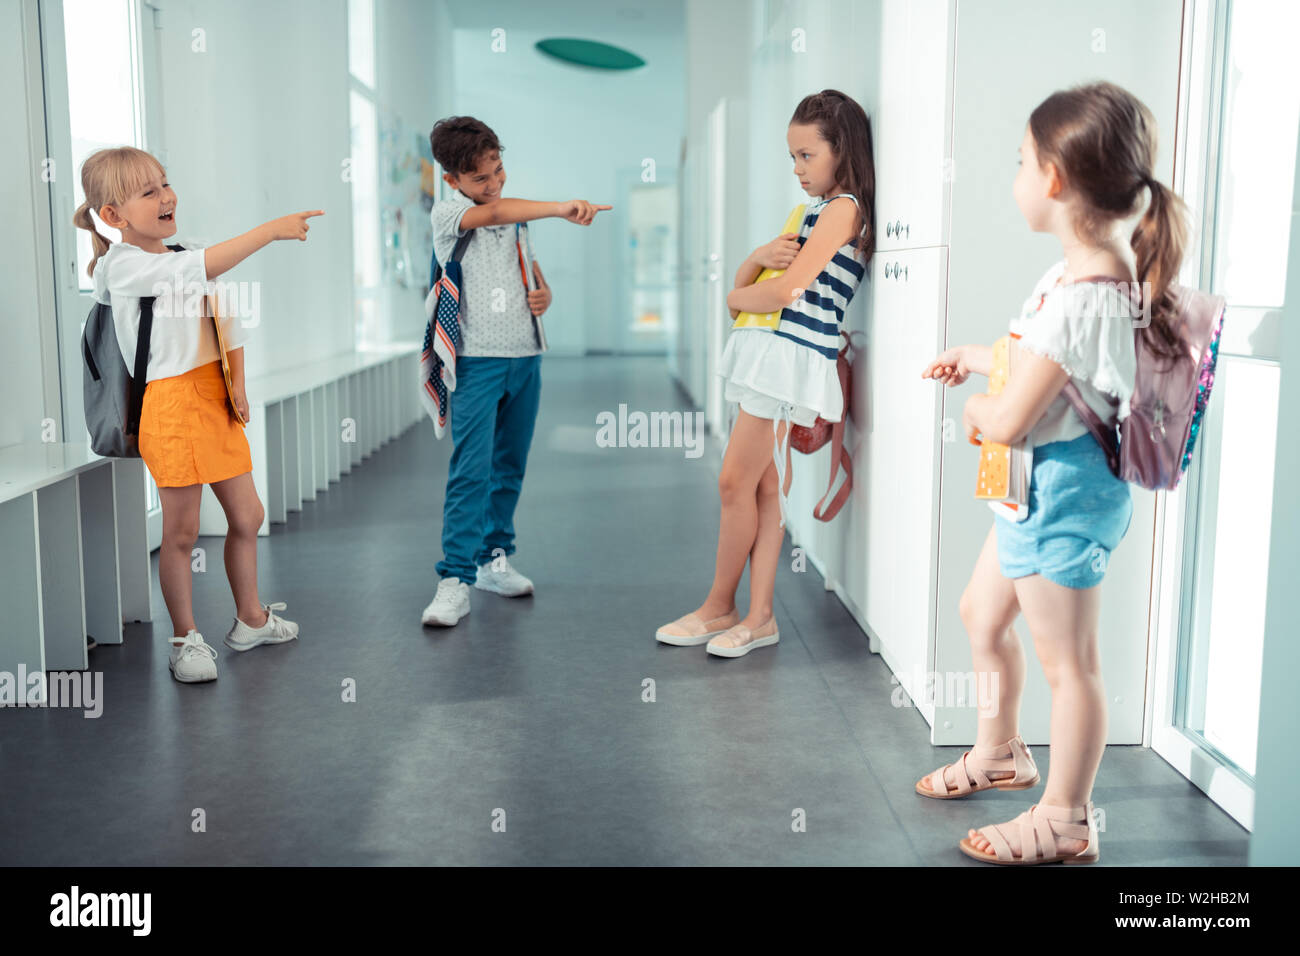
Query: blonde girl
pixel 787 375
pixel 1086 166
pixel 188 438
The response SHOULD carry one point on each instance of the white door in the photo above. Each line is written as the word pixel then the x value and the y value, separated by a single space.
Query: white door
pixel 912 128
pixel 99 61
pixel 897 451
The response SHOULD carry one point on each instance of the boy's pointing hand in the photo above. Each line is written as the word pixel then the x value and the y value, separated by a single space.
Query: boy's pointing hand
pixel 580 211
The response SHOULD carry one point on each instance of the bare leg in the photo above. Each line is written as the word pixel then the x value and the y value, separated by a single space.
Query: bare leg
pixel 988 607
pixel 1063 622
pixel 749 453
pixel 244 515
pixel 180 508
pixel 766 553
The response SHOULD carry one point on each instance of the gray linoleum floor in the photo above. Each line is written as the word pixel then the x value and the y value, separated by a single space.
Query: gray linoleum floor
pixel 530 707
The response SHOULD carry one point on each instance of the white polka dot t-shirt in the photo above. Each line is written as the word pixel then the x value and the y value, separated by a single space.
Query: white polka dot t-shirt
pixel 494 316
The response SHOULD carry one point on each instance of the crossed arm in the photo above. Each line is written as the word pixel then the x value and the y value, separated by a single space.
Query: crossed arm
pixel 834 228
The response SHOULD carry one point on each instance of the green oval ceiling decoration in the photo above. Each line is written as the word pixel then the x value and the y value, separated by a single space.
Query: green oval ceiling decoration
pixel 600 56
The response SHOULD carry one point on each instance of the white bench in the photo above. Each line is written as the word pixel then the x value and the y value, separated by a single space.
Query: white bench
pixel 311 423
pixel 75 555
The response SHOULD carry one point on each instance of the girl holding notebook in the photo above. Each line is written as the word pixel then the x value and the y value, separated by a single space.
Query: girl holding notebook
pixel 191 422
pixel 1085 168
pixel 787 374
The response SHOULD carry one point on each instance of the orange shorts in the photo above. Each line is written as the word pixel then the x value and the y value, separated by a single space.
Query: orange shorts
pixel 188 434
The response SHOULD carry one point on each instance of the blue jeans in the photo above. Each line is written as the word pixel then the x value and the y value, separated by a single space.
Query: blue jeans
pixel 493 411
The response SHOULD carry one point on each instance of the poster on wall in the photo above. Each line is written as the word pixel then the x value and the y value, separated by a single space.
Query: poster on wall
pixel 405 198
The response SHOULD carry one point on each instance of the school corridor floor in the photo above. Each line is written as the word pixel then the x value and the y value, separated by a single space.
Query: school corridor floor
pixel 520 736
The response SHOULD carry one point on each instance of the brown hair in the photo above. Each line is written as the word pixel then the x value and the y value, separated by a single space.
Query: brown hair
pixel 1103 141
pixel 459 141
pixel 844 125
pixel 109 177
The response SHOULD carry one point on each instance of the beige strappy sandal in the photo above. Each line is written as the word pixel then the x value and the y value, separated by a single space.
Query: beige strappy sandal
pixel 974 766
pixel 1039 827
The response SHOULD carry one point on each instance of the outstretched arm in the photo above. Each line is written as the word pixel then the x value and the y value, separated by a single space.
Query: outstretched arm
pixel 224 256
pixel 499 212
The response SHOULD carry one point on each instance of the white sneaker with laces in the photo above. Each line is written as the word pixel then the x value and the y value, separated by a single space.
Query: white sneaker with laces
pixel 276 630
pixel 194 660
pixel 500 578
pixel 449 605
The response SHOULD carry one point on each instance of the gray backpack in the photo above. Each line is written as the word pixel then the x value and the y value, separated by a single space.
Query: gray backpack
pixel 109 391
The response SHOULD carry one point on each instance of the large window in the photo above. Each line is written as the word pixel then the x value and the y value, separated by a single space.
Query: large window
pixel 1251 227
pixel 366 248
pixel 1241 158
pixel 104 102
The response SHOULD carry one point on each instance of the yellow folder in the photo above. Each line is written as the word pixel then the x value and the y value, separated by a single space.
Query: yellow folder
pixel 770 320
pixel 225 361
pixel 1005 470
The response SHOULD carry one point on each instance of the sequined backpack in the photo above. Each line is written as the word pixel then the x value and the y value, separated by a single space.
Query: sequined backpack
pixel 1153 446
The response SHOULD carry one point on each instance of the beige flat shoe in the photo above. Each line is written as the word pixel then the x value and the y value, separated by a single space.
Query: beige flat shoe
pixel 690 630
pixel 739 640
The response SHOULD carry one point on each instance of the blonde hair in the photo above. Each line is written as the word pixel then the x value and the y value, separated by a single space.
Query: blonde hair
pixel 109 177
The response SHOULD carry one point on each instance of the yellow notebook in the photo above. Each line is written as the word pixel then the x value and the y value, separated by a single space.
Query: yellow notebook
pixel 1004 469
pixel 770 320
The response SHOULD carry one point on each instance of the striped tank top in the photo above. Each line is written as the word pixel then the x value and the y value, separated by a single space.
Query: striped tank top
pixel 813 320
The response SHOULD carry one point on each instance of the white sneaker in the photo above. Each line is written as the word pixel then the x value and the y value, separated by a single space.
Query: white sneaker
pixel 276 630
pixel 194 661
pixel 449 605
pixel 500 578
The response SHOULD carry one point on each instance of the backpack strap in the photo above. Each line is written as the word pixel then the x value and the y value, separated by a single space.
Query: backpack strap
pixel 435 270
pixel 1105 436
pixel 141 372
pixel 839 454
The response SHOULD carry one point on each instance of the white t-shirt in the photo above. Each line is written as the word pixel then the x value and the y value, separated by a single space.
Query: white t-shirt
pixel 182 339
pixel 492 277
pixel 1086 328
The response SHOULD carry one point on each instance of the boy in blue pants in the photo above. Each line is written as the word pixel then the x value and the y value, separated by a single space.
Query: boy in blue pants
pixel 498 365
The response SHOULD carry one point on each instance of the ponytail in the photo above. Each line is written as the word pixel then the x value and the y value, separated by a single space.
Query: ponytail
pixel 99 245
pixel 1103 140
pixel 1159 241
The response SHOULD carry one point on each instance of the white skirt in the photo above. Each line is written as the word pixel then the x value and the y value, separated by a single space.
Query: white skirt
pixel 763 369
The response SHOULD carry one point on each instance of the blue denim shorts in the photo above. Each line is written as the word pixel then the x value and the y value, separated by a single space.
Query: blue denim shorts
pixel 1078 513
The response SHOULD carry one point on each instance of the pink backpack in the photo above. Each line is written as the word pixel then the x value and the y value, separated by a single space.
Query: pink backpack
pixel 1154 444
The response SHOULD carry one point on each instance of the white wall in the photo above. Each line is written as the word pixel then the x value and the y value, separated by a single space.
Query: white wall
pixel 415 80
pixel 23 196
pixel 719 49
pixel 257 127
pixel 574 133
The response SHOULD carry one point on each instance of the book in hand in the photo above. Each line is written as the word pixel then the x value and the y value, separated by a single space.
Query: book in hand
pixel 1004 470
pixel 771 320
pixel 225 360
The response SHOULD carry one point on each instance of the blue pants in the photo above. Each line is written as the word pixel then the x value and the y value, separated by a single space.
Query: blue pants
pixel 493 411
